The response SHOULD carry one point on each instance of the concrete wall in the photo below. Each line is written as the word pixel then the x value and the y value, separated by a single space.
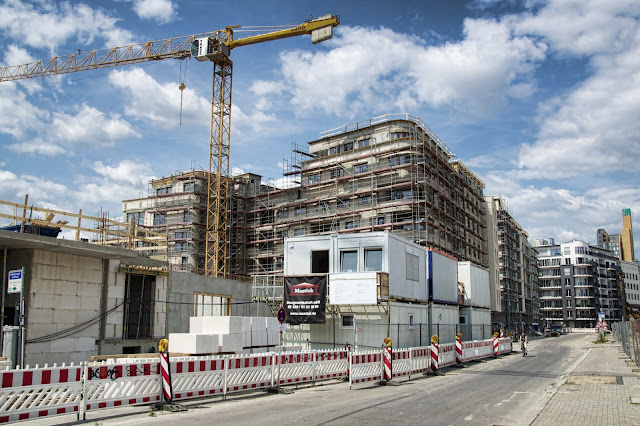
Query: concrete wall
pixel 183 286
pixel 64 291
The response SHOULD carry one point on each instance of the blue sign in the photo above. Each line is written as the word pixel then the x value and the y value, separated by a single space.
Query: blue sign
pixel 16 278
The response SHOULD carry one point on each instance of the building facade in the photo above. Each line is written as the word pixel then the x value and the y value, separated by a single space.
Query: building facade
pixel 577 280
pixel 626 237
pixel 631 277
pixel 512 267
pixel 389 173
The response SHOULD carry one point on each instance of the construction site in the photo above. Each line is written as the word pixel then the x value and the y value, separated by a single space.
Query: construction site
pixel 387 173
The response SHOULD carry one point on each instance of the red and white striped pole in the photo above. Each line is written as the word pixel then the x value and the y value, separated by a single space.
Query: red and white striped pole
pixel 165 369
pixel 458 348
pixel 434 353
pixel 388 372
pixel 495 344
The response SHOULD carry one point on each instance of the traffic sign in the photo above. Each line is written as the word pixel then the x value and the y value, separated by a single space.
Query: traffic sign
pixel 282 315
pixel 282 328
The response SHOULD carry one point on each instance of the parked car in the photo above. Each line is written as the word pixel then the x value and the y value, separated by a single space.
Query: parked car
pixel 556 330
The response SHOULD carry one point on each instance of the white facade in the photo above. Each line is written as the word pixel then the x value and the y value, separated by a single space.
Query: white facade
pixel 442 278
pixel 475 282
pixel 631 273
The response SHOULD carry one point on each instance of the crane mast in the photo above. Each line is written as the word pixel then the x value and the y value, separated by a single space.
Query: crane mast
pixel 215 47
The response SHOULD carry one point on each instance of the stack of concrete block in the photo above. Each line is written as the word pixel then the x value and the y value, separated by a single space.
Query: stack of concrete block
pixel 216 334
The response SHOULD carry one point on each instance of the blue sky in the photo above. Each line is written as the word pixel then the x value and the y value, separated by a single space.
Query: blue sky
pixel 540 98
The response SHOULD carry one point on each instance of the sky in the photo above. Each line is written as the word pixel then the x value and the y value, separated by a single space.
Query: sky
pixel 540 98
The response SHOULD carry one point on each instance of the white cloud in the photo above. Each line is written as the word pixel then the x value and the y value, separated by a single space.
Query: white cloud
pixel 159 103
pixel 91 127
pixel 582 27
pixel 235 171
pixel 17 115
pixel 264 88
pixel 36 146
pixel 592 129
pixel 126 171
pixel 382 67
pixel 161 11
pixel 48 25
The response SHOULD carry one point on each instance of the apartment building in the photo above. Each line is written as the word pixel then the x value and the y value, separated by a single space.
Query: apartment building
pixel 388 173
pixel 577 280
pixel 513 271
pixel 631 276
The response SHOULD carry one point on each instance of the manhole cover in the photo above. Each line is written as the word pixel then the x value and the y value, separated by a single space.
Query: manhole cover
pixel 592 380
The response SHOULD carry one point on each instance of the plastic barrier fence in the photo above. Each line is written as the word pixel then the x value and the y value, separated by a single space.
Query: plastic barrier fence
pixel 331 364
pixel 583 330
pixel 401 362
pixel 40 392
pixel 504 345
pixel 476 349
pixel 365 367
pixel 192 378
pixel 249 372
pixel 420 359
pixel 447 355
pixel 109 385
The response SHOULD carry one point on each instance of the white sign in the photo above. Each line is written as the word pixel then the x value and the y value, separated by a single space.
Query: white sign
pixel 16 278
pixel 282 327
pixel 601 315
pixel 353 289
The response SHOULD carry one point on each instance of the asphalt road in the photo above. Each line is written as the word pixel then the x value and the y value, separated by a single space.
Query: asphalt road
pixel 511 390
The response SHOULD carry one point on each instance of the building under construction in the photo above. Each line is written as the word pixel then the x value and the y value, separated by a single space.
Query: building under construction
pixel 388 173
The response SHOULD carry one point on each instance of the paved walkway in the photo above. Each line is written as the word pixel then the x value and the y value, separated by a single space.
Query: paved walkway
pixel 597 392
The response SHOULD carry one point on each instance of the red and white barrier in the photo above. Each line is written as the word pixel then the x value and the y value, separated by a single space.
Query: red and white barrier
pixel 331 364
pixel 458 351
pixel 420 359
pixel 434 357
pixel 387 363
pixel 402 363
pixel 195 377
pixel 295 368
pixel 447 355
pixel 40 392
pixel 365 367
pixel 496 350
pixel 167 392
pixel 476 349
pixel 109 385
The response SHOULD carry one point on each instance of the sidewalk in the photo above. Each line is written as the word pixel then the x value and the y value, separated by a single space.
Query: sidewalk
pixel 597 392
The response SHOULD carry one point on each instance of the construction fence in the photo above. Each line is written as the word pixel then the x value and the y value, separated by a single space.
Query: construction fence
pixel 367 336
pixel 628 334
pixel 52 391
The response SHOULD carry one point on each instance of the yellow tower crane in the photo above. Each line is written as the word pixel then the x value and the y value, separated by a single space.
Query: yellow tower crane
pixel 214 47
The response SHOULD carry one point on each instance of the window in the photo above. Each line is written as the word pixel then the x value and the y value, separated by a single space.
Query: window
pixel 283 213
pixel 347 321
pixel 301 210
pixel 181 234
pixel 315 178
pixel 349 261
pixel 377 221
pixel 137 217
pixel 364 199
pixel 567 251
pixel 567 272
pixel 320 262
pixel 342 204
pixel 403 159
pixel 186 216
pixel 363 143
pixel 352 224
pixel 359 168
pixel 298 232
pixel 410 320
pixel 163 190
pixel 413 271
pixel 322 207
pixel 337 173
pixel 207 305
pixel 189 186
pixel 185 262
pixel 373 260
pixel 159 218
pixel 334 150
pixel 348 146
pixel 398 135
pixel 181 246
pixel 397 195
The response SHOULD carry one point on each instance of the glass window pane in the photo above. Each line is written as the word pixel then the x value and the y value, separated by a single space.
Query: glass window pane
pixel 348 261
pixel 373 260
